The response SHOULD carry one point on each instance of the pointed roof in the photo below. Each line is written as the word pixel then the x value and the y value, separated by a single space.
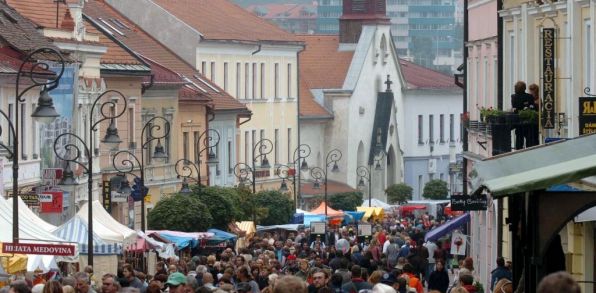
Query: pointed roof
pixel 19 32
pixel 322 66
pixel 224 20
pixel 139 41
pixel 320 210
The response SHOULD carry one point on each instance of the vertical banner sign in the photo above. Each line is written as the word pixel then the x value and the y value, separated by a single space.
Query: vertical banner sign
pixel 587 115
pixel 548 78
pixel 106 195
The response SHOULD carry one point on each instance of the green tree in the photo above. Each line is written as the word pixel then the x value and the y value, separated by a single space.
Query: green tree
pixel 180 213
pixel 398 193
pixel 345 201
pixel 219 202
pixel 435 189
pixel 248 209
pixel 279 207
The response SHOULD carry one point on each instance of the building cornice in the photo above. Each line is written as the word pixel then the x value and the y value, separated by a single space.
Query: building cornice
pixel 547 9
pixel 479 3
pixel 509 14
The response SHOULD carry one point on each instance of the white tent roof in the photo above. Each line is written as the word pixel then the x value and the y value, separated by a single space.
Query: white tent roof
pixel 28 228
pixel 377 203
pixel 27 212
pixel 106 227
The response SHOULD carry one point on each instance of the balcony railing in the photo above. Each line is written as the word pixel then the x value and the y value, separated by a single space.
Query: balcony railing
pixel 501 127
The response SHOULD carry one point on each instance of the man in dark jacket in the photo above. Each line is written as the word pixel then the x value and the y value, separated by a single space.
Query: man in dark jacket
pixel 499 273
pixel 357 283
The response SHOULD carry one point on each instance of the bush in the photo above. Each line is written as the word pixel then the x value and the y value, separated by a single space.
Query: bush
pixel 436 189
pixel 219 201
pixel 279 207
pixel 180 213
pixel 345 201
pixel 398 193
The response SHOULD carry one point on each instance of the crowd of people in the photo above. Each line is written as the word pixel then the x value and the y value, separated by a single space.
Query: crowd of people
pixel 394 259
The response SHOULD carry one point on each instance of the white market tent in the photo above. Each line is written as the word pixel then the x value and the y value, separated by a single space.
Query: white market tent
pixel 27 212
pixel 106 227
pixel 29 231
pixel 76 230
pixel 377 203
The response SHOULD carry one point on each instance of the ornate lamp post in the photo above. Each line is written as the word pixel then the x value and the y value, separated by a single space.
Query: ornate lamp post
pixel 44 113
pixel 131 162
pixel 317 173
pixel 260 150
pixel 72 153
pixel 208 140
pixel 286 173
pixel 365 173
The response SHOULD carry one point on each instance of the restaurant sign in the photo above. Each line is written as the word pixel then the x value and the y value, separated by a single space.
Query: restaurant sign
pixel 548 78
pixel 43 249
pixel 587 115
pixel 469 203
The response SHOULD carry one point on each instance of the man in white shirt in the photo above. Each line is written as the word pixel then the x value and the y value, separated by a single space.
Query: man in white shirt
pixel 431 247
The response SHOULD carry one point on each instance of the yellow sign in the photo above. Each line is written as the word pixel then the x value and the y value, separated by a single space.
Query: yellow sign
pixel 148 198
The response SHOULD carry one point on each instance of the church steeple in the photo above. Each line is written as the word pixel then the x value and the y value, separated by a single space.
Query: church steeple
pixel 357 13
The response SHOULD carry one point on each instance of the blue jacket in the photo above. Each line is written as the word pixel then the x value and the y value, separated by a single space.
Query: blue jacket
pixel 499 273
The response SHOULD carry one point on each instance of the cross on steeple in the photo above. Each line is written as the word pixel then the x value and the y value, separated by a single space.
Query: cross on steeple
pixel 388 82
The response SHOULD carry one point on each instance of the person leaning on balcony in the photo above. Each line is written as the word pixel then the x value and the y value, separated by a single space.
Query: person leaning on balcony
pixel 521 100
pixel 535 92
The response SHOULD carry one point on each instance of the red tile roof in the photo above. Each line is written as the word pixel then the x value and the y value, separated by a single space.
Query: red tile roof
pixel 43 13
pixel 322 66
pixel 141 42
pixel 224 20
pixel 418 77
pixel 280 11
pixel 19 32
pixel 161 75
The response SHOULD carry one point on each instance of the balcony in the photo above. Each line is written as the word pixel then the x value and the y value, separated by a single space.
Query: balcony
pixel 525 132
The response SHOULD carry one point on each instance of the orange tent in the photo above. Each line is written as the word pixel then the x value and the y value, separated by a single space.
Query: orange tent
pixel 330 212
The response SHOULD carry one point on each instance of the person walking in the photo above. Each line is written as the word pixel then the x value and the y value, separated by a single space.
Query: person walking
pixel 501 272
pixel 439 278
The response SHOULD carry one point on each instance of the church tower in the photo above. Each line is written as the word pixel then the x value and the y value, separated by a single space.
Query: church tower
pixel 357 13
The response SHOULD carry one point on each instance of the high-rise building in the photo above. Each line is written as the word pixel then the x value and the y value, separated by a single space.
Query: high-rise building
pixel 328 13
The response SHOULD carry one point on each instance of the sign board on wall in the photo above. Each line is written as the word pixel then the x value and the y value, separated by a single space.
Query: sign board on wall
pixel 587 115
pixel 458 243
pixel 106 195
pixel 548 78
pixel 51 201
pixel 469 203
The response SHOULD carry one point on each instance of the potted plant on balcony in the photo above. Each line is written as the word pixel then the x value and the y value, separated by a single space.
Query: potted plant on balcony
pixel 490 115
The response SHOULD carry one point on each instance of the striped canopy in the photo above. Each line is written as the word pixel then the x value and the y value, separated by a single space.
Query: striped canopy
pixel 75 230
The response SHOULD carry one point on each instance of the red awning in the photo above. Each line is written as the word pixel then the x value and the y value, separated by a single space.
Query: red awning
pixel 412 208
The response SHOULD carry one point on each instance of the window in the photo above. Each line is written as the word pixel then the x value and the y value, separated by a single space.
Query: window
pixel 212 73
pixel 238 80
pixel 420 185
pixel 204 67
pixel 431 132
pixel 262 80
pixel 246 80
pixel 230 168
pixel 225 81
pixel 185 144
pixel 588 54
pixel 276 81
pixel 254 80
pixel 34 132
pixel 254 142
pixel 494 81
pixel 246 146
pixel 131 128
pixel 11 118
pixel 441 177
pixel 289 80
pixel 276 146
pixel 485 82
pixel 451 127
pixel 196 145
pixel 23 131
pixel 289 145
pixel 442 128
pixel 420 130
pixel 512 62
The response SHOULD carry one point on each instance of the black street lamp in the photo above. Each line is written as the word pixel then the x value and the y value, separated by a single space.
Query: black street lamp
pixel 73 154
pixel 317 173
pixel 365 173
pixel 208 140
pixel 131 162
pixel 39 76
pixel 260 150
pixel 286 173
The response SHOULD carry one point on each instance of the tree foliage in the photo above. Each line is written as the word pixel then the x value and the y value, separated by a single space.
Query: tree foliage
pixel 219 201
pixel 435 189
pixel 345 201
pixel 180 213
pixel 278 206
pixel 248 209
pixel 398 193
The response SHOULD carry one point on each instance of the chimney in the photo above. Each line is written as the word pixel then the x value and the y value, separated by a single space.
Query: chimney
pixel 357 13
pixel 67 21
pixel 76 12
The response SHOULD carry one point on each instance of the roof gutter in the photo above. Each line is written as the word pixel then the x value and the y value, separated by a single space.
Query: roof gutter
pixel 257 50
pixel 144 87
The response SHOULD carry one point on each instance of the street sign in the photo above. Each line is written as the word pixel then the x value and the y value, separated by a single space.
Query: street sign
pixel 469 203
pixel 43 249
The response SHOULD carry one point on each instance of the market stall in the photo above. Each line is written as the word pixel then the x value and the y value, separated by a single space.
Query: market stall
pixel 106 226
